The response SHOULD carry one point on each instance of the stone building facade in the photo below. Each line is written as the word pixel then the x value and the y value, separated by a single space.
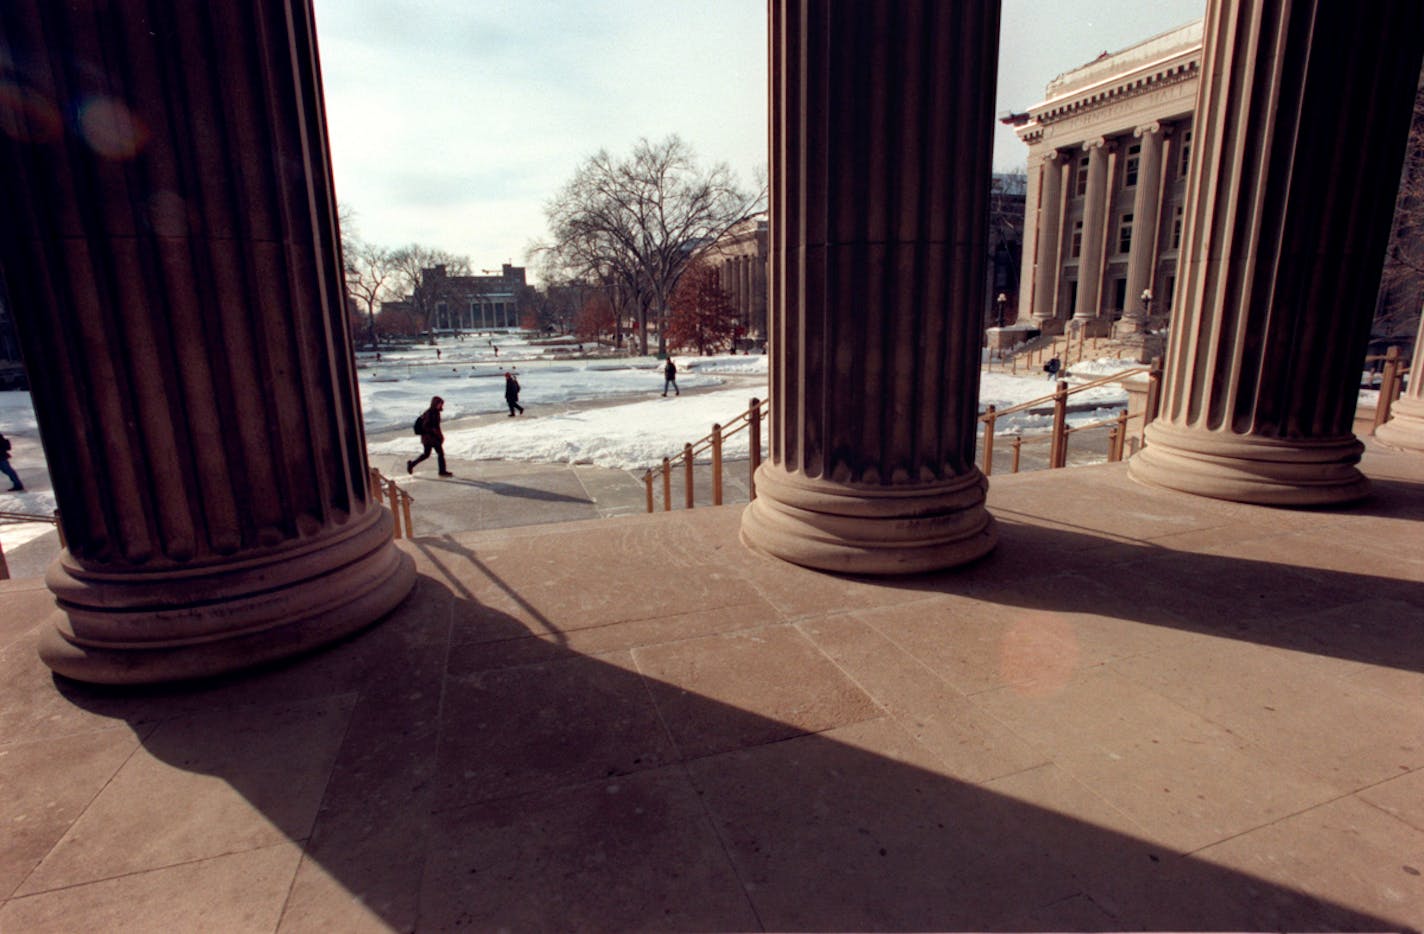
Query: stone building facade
pixel 1109 151
pixel 739 257
pixel 469 303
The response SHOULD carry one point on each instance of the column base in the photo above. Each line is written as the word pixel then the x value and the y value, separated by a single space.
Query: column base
pixel 1050 326
pixel 1247 469
pixel 1405 428
pixel 142 628
pixel 853 529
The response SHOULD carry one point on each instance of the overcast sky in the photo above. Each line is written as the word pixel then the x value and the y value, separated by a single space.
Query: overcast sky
pixel 452 122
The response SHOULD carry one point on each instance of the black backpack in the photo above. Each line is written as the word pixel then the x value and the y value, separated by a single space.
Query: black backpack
pixel 419 425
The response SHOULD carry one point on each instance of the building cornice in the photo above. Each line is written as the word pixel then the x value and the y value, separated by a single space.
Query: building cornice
pixel 1181 65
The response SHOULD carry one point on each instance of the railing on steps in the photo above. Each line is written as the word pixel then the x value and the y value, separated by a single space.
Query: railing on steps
pixel 1058 439
pixel 749 421
pixel 27 517
pixel 1391 382
pixel 1068 349
pixel 1058 457
pixel 389 493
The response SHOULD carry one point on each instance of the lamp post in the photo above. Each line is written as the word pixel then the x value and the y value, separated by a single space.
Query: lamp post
pixel 1146 303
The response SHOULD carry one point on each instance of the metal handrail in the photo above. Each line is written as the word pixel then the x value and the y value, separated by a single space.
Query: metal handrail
pixel 388 491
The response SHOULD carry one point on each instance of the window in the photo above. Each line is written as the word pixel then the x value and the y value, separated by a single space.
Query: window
pixel 1186 153
pixel 1124 234
pixel 1177 229
pixel 1129 171
pixel 1077 248
pixel 1082 179
pixel 1119 294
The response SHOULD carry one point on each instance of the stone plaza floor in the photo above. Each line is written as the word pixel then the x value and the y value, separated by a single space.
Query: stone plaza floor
pixel 1144 710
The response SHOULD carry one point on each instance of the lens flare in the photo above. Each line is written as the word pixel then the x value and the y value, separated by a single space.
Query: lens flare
pixel 28 116
pixel 1038 654
pixel 111 129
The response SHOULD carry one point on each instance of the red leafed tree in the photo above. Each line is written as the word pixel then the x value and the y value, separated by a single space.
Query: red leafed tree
pixel 595 318
pixel 699 313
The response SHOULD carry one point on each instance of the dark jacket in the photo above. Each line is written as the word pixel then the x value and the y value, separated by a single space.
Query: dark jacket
pixel 670 371
pixel 432 433
pixel 4 448
pixel 511 389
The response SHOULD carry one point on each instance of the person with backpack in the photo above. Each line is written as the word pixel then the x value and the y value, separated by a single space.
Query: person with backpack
pixel 1052 367
pixel 6 469
pixel 428 427
pixel 511 393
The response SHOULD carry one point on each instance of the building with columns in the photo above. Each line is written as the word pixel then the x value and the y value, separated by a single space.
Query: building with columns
pixel 1109 150
pixel 739 256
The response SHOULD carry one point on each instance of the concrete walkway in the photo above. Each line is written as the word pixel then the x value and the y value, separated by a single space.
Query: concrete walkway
pixel 1144 710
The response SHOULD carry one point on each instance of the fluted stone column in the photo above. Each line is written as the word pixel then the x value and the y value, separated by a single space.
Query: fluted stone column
pixel 1049 263
pixel 1146 208
pixel 1095 209
pixel 1405 428
pixel 1301 119
pixel 172 260
pixel 882 116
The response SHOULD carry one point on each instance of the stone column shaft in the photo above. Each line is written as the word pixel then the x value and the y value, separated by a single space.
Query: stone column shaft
pixel 1049 263
pixel 1146 208
pixel 172 261
pixel 1301 118
pixel 1095 209
pixel 882 116
pixel 1405 428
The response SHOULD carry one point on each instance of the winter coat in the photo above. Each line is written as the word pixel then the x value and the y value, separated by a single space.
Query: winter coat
pixel 432 433
pixel 511 389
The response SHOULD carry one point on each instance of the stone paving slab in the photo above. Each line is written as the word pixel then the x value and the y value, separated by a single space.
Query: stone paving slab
pixel 1143 711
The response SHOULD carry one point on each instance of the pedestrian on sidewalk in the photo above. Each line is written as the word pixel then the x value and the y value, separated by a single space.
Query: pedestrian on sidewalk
pixel 511 393
pixel 428 427
pixel 670 378
pixel 1052 367
pixel 15 485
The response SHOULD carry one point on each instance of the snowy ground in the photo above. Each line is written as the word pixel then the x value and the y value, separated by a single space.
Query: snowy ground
pixel 607 411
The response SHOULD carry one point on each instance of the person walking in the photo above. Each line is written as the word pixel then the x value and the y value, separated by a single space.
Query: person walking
pixel 511 393
pixel 670 378
pixel 1052 367
pixel 431 436
pixel 15 485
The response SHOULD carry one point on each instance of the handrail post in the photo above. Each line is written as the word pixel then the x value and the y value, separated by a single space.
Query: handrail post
pixel 392 495
pixel 1014 364
pixel 405 508
pixel 648 485
pixel 1018 444
pixel 754 443
pixel 716 464
pixel 1121 434
pixel 687 474
pixel 1058 451
pixel 988 419
pixel 1113 455
pixel 667 485
pixel 1386 390
pixel 1154 393
pixel 374 478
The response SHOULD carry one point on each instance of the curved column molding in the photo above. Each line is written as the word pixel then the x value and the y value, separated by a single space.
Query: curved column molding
pixel 1405 428
pixel 173 258
pixel 1095 209
pixel 1049 262
pixel 1284 244
pixel 882 116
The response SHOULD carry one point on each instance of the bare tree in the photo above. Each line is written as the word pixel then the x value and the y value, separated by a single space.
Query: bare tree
pixel 1402 283
pixel 370 272
pixel 423 274
pixel 632 225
